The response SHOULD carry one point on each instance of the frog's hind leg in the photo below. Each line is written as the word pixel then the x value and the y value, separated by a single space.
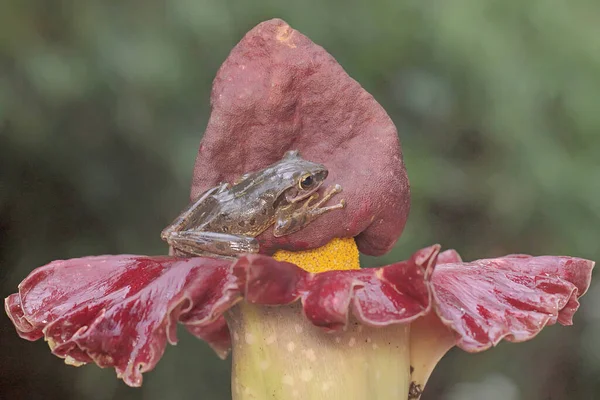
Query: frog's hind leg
pixel 191 252
pixel 200 243
pixel 183 219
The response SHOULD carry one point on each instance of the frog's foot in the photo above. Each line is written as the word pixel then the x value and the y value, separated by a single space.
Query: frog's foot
pixel 315 210
pixel 307 213
pixel 329 193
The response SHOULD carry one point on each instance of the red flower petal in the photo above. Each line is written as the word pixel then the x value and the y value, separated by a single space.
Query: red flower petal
pixel 397 293
pixel 279 91
pixel 121 310
pixel 510 297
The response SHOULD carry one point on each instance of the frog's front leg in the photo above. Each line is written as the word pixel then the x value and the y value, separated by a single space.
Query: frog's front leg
pixel 293 219
pixel 202 243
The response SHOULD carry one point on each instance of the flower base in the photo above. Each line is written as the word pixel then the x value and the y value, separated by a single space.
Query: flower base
pixel 279 354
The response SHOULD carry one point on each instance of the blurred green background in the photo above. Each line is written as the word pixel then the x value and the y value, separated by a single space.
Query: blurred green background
pixel 103 104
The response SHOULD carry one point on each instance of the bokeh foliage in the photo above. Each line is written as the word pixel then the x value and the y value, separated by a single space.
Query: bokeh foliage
pixel 102 106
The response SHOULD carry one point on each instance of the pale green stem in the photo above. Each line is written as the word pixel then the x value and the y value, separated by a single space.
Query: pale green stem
pixel 429 341
pixel 278 354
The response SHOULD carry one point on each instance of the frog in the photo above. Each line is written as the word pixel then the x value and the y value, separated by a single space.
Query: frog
pixel 224 221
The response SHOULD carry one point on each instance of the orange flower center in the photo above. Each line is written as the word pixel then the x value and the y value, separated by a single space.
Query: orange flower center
pixel 339 254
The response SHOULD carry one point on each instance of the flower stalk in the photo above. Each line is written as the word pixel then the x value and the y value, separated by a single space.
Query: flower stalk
pixel 278 353
pixel 430 340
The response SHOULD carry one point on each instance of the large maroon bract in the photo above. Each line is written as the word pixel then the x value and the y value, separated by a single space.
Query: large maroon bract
pixel 278 91
pixel 121 310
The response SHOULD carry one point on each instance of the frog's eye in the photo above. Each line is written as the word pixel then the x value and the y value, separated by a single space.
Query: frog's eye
pixel 307 182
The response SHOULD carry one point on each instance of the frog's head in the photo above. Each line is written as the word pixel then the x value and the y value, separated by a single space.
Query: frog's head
pixel 302 177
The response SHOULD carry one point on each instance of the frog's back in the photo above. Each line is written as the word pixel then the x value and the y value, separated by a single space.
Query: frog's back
pixel 249 214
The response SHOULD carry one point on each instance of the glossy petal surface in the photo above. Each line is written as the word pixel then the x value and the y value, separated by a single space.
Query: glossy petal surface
pixel 121 310
pixel 279 91
pixel 397 293
pixel 512 297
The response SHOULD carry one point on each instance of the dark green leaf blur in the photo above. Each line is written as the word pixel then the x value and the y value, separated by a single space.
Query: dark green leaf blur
pixel 103 104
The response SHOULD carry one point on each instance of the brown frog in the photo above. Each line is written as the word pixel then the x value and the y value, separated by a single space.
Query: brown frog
pixel 224 220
